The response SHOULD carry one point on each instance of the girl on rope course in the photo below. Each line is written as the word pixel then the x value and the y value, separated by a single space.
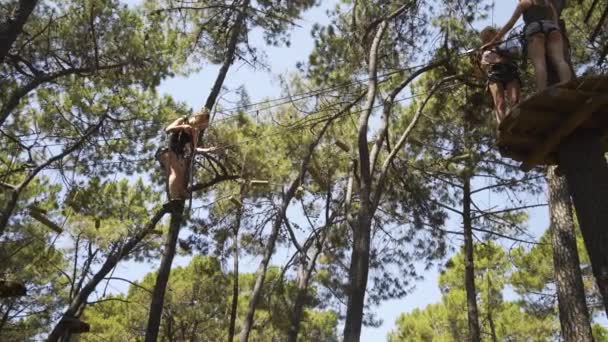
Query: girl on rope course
pixel 176 157
pixel 499 65
pixel 543 38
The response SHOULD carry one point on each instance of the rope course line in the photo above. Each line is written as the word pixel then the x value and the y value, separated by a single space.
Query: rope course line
pixel 288 128
pixel 238 110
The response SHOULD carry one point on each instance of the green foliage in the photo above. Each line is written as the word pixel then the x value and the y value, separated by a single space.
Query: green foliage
pixel 588 51
pixel 534 278
pixel 32 260
pixel 197 308
pixel 447 321
pixel 85 73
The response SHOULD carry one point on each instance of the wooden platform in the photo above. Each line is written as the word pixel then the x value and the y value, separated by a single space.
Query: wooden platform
pixel 532 130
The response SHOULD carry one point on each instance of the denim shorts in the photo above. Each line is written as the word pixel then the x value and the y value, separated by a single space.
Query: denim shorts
pixel 542 26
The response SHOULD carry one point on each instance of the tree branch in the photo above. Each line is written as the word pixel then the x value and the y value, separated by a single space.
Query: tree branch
pixel 13 100
pixel 388 107
pixel 229 58
pixel 216 180
pixel 402 140
pixel 364 165
pixel 12 27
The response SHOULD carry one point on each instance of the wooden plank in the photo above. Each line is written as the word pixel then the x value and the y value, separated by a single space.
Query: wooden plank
pixel 548 100
pixel 593 83
pixel 531 120
pixel 521 156
pixel 573 122
pixel 587 82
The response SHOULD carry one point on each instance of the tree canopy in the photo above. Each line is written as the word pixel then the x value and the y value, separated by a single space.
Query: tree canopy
pixel 372 163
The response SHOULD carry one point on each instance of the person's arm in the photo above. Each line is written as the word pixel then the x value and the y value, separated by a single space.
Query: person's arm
pixel 177 125
pixel 508 26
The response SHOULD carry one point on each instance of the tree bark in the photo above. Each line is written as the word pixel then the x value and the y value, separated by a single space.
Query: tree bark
pixel 298 307
pixel 229 58
pixel 81 298
pixel 235 285
pixel 13 26
pixel 469 264
pixel 304 275
pixel 358 273
pixel 359 262
pixel 581 158
pixel 573 312
pixel 158 295
pixel 490 316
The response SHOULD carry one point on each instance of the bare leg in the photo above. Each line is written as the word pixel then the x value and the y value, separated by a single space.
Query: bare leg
pixel 555 50
pixel 536 53
pixel 175 170
pixel 178 180
pixel 498 95
pixel 513 92
pixel 164 159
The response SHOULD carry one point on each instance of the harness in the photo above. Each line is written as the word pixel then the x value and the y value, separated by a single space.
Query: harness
pixel 178 143
pixel 502 72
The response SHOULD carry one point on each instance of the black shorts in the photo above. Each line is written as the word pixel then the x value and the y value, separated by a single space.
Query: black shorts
pixel 503 74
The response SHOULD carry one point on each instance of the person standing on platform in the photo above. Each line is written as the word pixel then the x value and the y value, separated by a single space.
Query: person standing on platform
pixel 543 38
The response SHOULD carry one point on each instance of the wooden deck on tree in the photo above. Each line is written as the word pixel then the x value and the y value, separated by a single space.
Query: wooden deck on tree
pixel 533 130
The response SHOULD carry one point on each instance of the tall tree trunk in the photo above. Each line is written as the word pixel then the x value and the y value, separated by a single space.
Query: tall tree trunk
pixel 359 261
pixel 298 306
pixel 573 312
pixel 304 276
pixel 359 269
pixel 469 264
pixel 81 298
pixel 490 316
pixel 261 272
pixel 156 306
pixel 230 54
pixel 13 26
pixel 158 295
pixel 581 158
pixel 235 284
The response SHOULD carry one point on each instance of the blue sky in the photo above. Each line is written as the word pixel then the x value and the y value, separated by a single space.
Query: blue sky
pixel 262 84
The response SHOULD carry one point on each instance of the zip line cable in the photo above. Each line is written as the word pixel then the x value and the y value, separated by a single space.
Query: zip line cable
pixel 250 140
pixel 237 110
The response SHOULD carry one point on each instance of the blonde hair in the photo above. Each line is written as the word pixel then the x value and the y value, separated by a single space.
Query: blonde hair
pixel 486 32
pixel 200 119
